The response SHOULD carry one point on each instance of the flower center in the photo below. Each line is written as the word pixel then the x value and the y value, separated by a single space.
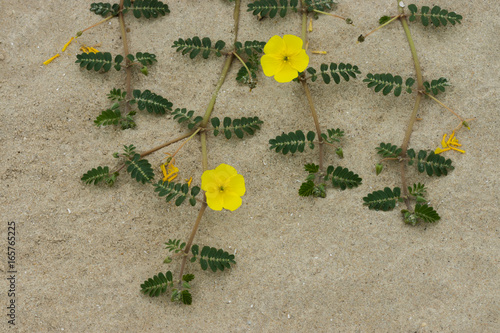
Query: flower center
pixel 285 58
pixel 221 188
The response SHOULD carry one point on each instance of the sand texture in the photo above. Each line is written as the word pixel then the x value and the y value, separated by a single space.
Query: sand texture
pixel 303 264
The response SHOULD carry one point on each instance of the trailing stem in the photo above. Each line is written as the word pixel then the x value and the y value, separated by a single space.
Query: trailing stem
pixel 203 135
pixel 308 92
pixel 413 116
pixel 125 50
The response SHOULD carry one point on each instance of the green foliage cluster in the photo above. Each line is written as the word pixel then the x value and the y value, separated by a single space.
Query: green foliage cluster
pixel 182 115
pixel 436 85
pixel 250 47
pixel 383 200
pixel 388 150
pixel 292 142
pixel 172 190
pixel 150 101
pixel 140 169
pixel 113 116
pixel 196 46
pixel 386 82
pixel 96 175
pixel 210 257
pixel 270 8
pixel 322 5
pixel 436 15
pixel 104 60
pixel 339 177
pixel 216 259
pixel 146 8
pixel 433 164
pixel 342 177
pixel 342 70
pixel 238 126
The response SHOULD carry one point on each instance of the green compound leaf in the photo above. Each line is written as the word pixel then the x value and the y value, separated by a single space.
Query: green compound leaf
pixel 386 82
pixel 418 190
pixel 185 297
pixel 307 188
pixel 383 200
pixel 196 46
pixel 238 126
pixel 108 117
pixel 117 95
pixel 182 115
pixel 322 5
pixel 144 58
pixel 388 150
pixel 271 7
pixel 140 169
pixel 436 85
pixel 342 177
pixel 334 71
pixel 146 8
pixel 151 102
pixel 176 190
pixel 188 277
pixel 436 15
pixel 95 61
pixel 97 175
pixel 103 9
pixel 292 142
pixel 422 212
pixel 216 259
pixel 384 19
pixel 432 164
pixel 250 47
pixel 175 245
pixel 311 167
pixel 334 135
pixel 158 284
pixel 248 78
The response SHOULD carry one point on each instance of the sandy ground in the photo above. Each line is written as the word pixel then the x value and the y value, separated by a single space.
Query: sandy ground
pixel 303 265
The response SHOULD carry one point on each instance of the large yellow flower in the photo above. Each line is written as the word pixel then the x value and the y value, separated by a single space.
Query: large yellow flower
pixel 223 187
pixel 284 58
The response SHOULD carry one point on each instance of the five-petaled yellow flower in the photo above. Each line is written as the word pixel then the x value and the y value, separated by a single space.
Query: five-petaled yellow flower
pixel 284 58
pixel 223 187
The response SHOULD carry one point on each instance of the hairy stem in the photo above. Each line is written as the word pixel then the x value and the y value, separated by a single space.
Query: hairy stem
pixel 167 143
pixel 308 92
pixel 128 71
pixel 444 106
pixel 203 135
pixel 413 116
pixel 316 122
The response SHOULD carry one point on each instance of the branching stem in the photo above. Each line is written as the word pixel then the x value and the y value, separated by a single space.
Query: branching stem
pixel 383 25
pixel 325 13
pixel 128 71
pixel 308 92
pixel 444 106
pixel 203 135
pixel 167 143
pixel 413 116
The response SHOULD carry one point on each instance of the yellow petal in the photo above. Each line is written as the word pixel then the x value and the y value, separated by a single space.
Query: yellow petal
pixel 299 61
pixel 215 200
pixel 459 150
pixel 231 201
pixel 443 142
pixel 439 150
pixel 48 61
pixel 286 74
pixel 225 169
pixel 275 45
pixel 236 185
pixel 293 44
pixel 67 44
pixel 271 64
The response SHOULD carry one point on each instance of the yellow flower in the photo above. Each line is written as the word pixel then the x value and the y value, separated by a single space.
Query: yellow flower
pixel 284 58
pixel 223 187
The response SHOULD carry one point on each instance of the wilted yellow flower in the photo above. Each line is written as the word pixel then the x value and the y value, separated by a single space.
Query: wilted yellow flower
pixel 48 61
pixel 284 58
pixel 450 144
pixel 224 187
